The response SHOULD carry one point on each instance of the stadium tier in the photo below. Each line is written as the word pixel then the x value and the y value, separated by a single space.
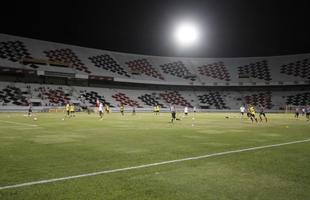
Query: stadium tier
pixel 52 74
pixel 20 94
pixel 49 58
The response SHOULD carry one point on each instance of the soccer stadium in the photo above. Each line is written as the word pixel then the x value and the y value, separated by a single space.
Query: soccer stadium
pixel 88 123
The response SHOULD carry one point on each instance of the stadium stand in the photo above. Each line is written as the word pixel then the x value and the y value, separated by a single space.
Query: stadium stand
pixel 299 68
pixel 175 98
pixel 142 66
pixel 259 70
pixel 10 95
pixel 54 96
pixel 215 70
pixel 52 74
pixel 67 56
pixel 108 63
pixel 177 69
pixel 212 99
pixel 300 99
pixel 90 98
pixel 261 98
pixel 13 50
pixel 150 100
pixel 125 100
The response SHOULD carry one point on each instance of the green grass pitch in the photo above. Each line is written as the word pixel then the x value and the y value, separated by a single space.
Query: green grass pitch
pixel 53 148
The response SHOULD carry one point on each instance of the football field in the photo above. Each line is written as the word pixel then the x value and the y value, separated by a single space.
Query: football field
pixel 206 156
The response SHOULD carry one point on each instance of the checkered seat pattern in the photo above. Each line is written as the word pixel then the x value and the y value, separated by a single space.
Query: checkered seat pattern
pixel 177 69
pixel 125 100
pixel 67 56
pixel 259 70
pixel 149 100
pixel 143 66
pixel 13 95
pixel 13 50
pixel 215 70
pixel 92 96
pixel 55 96
pixel 299 68
pixel 108 63
pixel 175 98
pixel 300 99
pixel 214 99
pixel 261 98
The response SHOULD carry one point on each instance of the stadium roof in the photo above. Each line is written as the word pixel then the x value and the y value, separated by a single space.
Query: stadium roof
pixel 234 28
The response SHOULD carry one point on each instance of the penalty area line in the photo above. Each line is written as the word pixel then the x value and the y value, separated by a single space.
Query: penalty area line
pixel 149 165
pixel 18 123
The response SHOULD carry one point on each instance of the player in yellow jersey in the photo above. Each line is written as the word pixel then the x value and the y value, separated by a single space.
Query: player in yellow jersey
pixel 107 108
pixel 157 109
pixel 68 110
pixel 122 109
pixel 252 113
pixel 72 110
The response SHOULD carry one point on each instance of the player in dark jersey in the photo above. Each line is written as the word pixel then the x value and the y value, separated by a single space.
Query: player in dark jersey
pixel 173 113
pixel 262 113
pixel 122 110
pixel 133 110
pixel 297 111
pixel 30 109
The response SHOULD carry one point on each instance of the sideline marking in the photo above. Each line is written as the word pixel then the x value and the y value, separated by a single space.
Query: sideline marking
pixel 24 124
pixel 149 165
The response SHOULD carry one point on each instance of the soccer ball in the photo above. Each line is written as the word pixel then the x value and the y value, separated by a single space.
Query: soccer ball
pixel 35 119
pixel 63 119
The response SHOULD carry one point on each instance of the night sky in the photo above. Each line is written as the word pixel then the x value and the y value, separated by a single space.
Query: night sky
pixel 232 28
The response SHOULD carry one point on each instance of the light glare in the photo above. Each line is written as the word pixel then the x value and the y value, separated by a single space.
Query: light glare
pixel 186 34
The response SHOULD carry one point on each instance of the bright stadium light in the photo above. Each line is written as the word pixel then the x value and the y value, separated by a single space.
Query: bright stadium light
pixel 186 34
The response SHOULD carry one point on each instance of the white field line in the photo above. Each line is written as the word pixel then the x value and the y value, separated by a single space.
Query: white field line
pixel 149 165
pixel 24 124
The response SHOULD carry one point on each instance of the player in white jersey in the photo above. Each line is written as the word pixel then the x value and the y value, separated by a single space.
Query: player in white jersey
pixel 242 110
pixel 186 111
pixel 100 109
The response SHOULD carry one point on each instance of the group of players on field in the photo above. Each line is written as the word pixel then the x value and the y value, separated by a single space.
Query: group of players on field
pixel 70 110
pixel 106 109
pixel 249 110
pixel 303 111
pixel 251 113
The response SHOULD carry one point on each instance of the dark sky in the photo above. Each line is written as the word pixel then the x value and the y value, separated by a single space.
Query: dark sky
pixel 232 27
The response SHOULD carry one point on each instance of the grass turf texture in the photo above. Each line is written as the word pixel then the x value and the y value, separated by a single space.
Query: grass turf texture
pixel 84 144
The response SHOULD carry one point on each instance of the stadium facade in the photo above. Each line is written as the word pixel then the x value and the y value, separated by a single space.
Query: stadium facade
pixel 49 75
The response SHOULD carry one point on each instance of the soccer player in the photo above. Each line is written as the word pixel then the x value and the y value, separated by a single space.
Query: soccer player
pixel 194 109
pixel 100 109
pixel 297 111
pixel 252 113
pixel 29 109
pixel 133 110
pixel 308 112
pixel 173 113
pixel 242 110
pixel 303 111
pixel 185 110
pixel 157 109
pixel 107 109
pixel 262 113
pixel 68 110
pixel 248 114
pixel 122 109
pixel 72 110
